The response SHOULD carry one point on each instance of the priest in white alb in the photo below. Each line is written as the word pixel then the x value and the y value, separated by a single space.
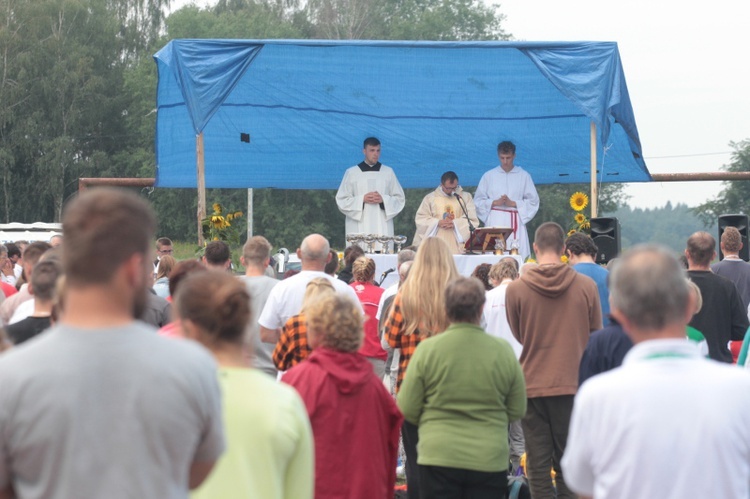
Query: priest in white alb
pixel 506 197
pixel 370 195
pixel 442 215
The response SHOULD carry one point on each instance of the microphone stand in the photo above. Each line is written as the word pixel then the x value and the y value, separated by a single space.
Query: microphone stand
pixel 462 204
pixel 384 275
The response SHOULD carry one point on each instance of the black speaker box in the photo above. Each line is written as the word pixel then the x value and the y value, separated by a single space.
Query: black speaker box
pixel 740 222
pixel 605 231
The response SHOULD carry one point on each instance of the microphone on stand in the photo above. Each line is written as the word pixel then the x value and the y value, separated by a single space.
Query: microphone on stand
pixel 462 204
pixel 384 275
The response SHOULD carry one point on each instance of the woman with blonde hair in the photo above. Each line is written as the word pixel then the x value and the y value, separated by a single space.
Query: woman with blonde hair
pixel 363 271
pixel 355 420
pixel 269 442
pixel 292 347
pixel 418 312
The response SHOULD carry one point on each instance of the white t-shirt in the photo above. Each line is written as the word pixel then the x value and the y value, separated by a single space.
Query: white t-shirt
pixel 389 291
pixel 286 297
pixel 668 423
pixel 118 413
pixel 495 320
pixel 23 311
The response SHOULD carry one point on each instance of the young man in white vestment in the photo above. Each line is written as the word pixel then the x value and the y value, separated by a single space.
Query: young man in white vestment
pixel 506 197
pixel 442 214
pixel 668 423
pixel 370 195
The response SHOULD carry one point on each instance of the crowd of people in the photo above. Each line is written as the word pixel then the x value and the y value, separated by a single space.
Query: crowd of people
pixel 129 376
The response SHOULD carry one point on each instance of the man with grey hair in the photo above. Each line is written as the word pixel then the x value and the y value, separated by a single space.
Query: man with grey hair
pixel 722 317
pixel 667 417
pixel 256 256
pixel 461 386
pixel 285 299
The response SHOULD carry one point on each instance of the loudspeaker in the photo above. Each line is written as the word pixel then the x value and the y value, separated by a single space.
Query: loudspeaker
pixel 605 231
pixel 740 222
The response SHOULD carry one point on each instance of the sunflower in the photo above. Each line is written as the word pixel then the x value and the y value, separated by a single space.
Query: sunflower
pixel 580 218
pixel 579 201
pixel 217 208
pixel 563 258
pixel 230 216
pixel 586 225
pixel 218 221
pixel 571 232
pixel 237 214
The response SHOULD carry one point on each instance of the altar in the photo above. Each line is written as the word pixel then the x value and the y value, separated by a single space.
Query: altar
pixel 465 264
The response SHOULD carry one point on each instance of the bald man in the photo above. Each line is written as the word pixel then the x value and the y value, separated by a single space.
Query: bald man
pixel 286 297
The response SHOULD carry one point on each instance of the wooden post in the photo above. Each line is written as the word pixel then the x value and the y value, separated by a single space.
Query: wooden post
pixel 201 174
pixel 249 213
pixel 594 189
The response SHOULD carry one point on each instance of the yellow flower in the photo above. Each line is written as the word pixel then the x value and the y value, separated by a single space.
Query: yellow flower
pixel 579 201
pixel 237 214
pixel 580 218
pixel 530 260
pixel 217 208
pixel 217 221
pixel 216 238
pixel 571 232
pixel 229 217
pixel 563 258
pixel 586 225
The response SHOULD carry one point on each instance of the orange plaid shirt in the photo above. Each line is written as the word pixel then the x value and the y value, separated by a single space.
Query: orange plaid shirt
pixel 292 347
pixel 394 334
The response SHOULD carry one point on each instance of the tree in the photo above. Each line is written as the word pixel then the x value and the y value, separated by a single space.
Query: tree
pixel 65 90
pixel 735 196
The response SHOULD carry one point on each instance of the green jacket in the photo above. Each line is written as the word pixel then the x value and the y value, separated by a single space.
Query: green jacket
pixel 462 388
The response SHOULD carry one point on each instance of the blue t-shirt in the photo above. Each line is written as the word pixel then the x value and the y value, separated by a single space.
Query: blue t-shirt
pixel 599 275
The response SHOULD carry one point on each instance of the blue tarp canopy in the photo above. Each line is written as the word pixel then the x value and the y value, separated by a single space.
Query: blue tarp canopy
pixel 293 113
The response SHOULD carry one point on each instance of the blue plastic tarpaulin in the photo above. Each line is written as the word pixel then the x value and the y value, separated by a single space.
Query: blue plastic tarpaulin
pixel 293 113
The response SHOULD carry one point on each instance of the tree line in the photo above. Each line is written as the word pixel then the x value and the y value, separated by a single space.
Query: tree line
pixel 78 84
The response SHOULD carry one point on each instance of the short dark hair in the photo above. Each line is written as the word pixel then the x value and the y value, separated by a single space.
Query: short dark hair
pixel 351 253
pixel 464 299
pixel 549 237
pixel 370 141
pixel 448 176
pixel 13 250
pixel 333 264
pixel 44 280
pixel 506 147
pixel 579 243
pixel 103 228
pixel 217 253
pixel 701 247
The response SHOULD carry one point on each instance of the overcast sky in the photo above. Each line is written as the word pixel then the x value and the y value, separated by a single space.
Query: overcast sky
pixel 687 74
pixel 686 70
